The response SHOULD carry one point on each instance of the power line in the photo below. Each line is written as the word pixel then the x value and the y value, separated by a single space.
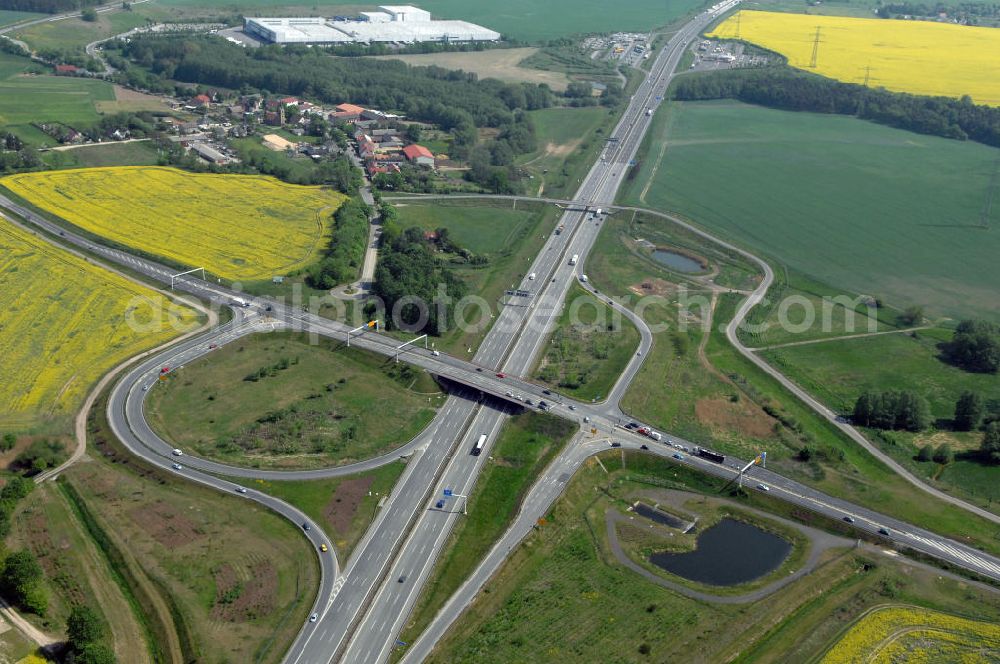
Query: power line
pixel 868 75
pixel 815 55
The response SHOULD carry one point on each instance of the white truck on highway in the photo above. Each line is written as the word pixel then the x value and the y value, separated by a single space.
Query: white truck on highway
pixel 574 259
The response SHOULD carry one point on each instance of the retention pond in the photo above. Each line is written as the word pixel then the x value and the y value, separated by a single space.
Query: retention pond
pixel 678 262
pixel 728 554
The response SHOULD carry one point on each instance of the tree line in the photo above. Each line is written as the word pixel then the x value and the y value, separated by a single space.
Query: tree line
pixel 346 250
pixel 46 6
pixel 789 89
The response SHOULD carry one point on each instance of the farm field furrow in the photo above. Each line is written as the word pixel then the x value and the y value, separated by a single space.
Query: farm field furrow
pixel 64 322
pixel 235 226
pixel 921 57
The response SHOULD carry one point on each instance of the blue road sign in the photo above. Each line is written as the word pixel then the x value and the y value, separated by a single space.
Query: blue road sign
pixel 447 492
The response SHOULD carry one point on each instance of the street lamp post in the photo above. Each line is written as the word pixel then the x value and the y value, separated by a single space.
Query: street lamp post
pixel 448 493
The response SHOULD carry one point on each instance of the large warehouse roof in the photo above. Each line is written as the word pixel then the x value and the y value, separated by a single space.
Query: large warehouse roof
pixel 406 32
pixel 394 23
pixel 296 30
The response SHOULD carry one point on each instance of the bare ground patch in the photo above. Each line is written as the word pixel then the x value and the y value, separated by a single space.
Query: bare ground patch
pixel 131 100
pixel 245 590
pixel 734 416
pixel 345 500
pixel 165 524
pixel 657 287
pixel 502 63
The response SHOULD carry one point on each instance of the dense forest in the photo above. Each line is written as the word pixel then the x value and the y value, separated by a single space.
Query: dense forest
pixel 410 274
pixel 789 89
pixel 47 6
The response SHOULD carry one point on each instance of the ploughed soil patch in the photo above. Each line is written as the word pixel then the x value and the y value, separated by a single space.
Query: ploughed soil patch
pixel 658 287
pixel 245 591
pixel 344 502
pixel 164 523
pixel 725 414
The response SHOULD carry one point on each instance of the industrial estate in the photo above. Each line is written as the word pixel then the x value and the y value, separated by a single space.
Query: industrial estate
pixel 392 23
pixel 660 332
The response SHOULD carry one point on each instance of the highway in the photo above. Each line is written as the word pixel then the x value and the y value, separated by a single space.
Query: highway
pixel 363 607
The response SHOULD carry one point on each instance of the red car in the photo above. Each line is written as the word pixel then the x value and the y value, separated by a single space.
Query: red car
pixel 501 375
pixel 164 369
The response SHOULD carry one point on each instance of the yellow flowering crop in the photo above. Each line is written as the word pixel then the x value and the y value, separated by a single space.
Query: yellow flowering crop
pixel 921 57
pixel 903 633
pixel 236 226
pixel 64 322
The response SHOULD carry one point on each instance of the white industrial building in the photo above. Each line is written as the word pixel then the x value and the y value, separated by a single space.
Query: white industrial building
pixel 402 24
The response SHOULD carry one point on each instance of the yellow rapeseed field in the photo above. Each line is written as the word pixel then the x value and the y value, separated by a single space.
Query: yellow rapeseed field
pixel 241 227
pixel 905 56
pixel 912 634
pixel 64 322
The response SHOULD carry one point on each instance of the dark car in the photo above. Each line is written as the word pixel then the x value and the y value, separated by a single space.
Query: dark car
pixel 883 531
pixel 644 447
pixel 616 444
pixel 305 526
pixel 543 405
pixel 439 504
pixel 402 578
pixel 529 402
pixel 547 392
pixel 632 425
pixel 849 519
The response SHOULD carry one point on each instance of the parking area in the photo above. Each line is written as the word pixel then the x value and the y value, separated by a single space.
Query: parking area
pixel 709 55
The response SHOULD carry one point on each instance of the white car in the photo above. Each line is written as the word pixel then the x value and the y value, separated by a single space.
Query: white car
pixel 435 353
pixel 177 466
pixel 314 617
pixel 763 487
pixel 177 452
pixel 240 489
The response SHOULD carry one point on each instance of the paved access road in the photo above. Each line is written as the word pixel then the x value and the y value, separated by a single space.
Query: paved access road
pixel 368 602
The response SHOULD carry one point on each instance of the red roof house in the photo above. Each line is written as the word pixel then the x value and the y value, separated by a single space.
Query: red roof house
pixel 420 155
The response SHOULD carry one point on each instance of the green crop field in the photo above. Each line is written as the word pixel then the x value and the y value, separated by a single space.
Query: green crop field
pixel 871 209
pixel 525 20
pixel 277 399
